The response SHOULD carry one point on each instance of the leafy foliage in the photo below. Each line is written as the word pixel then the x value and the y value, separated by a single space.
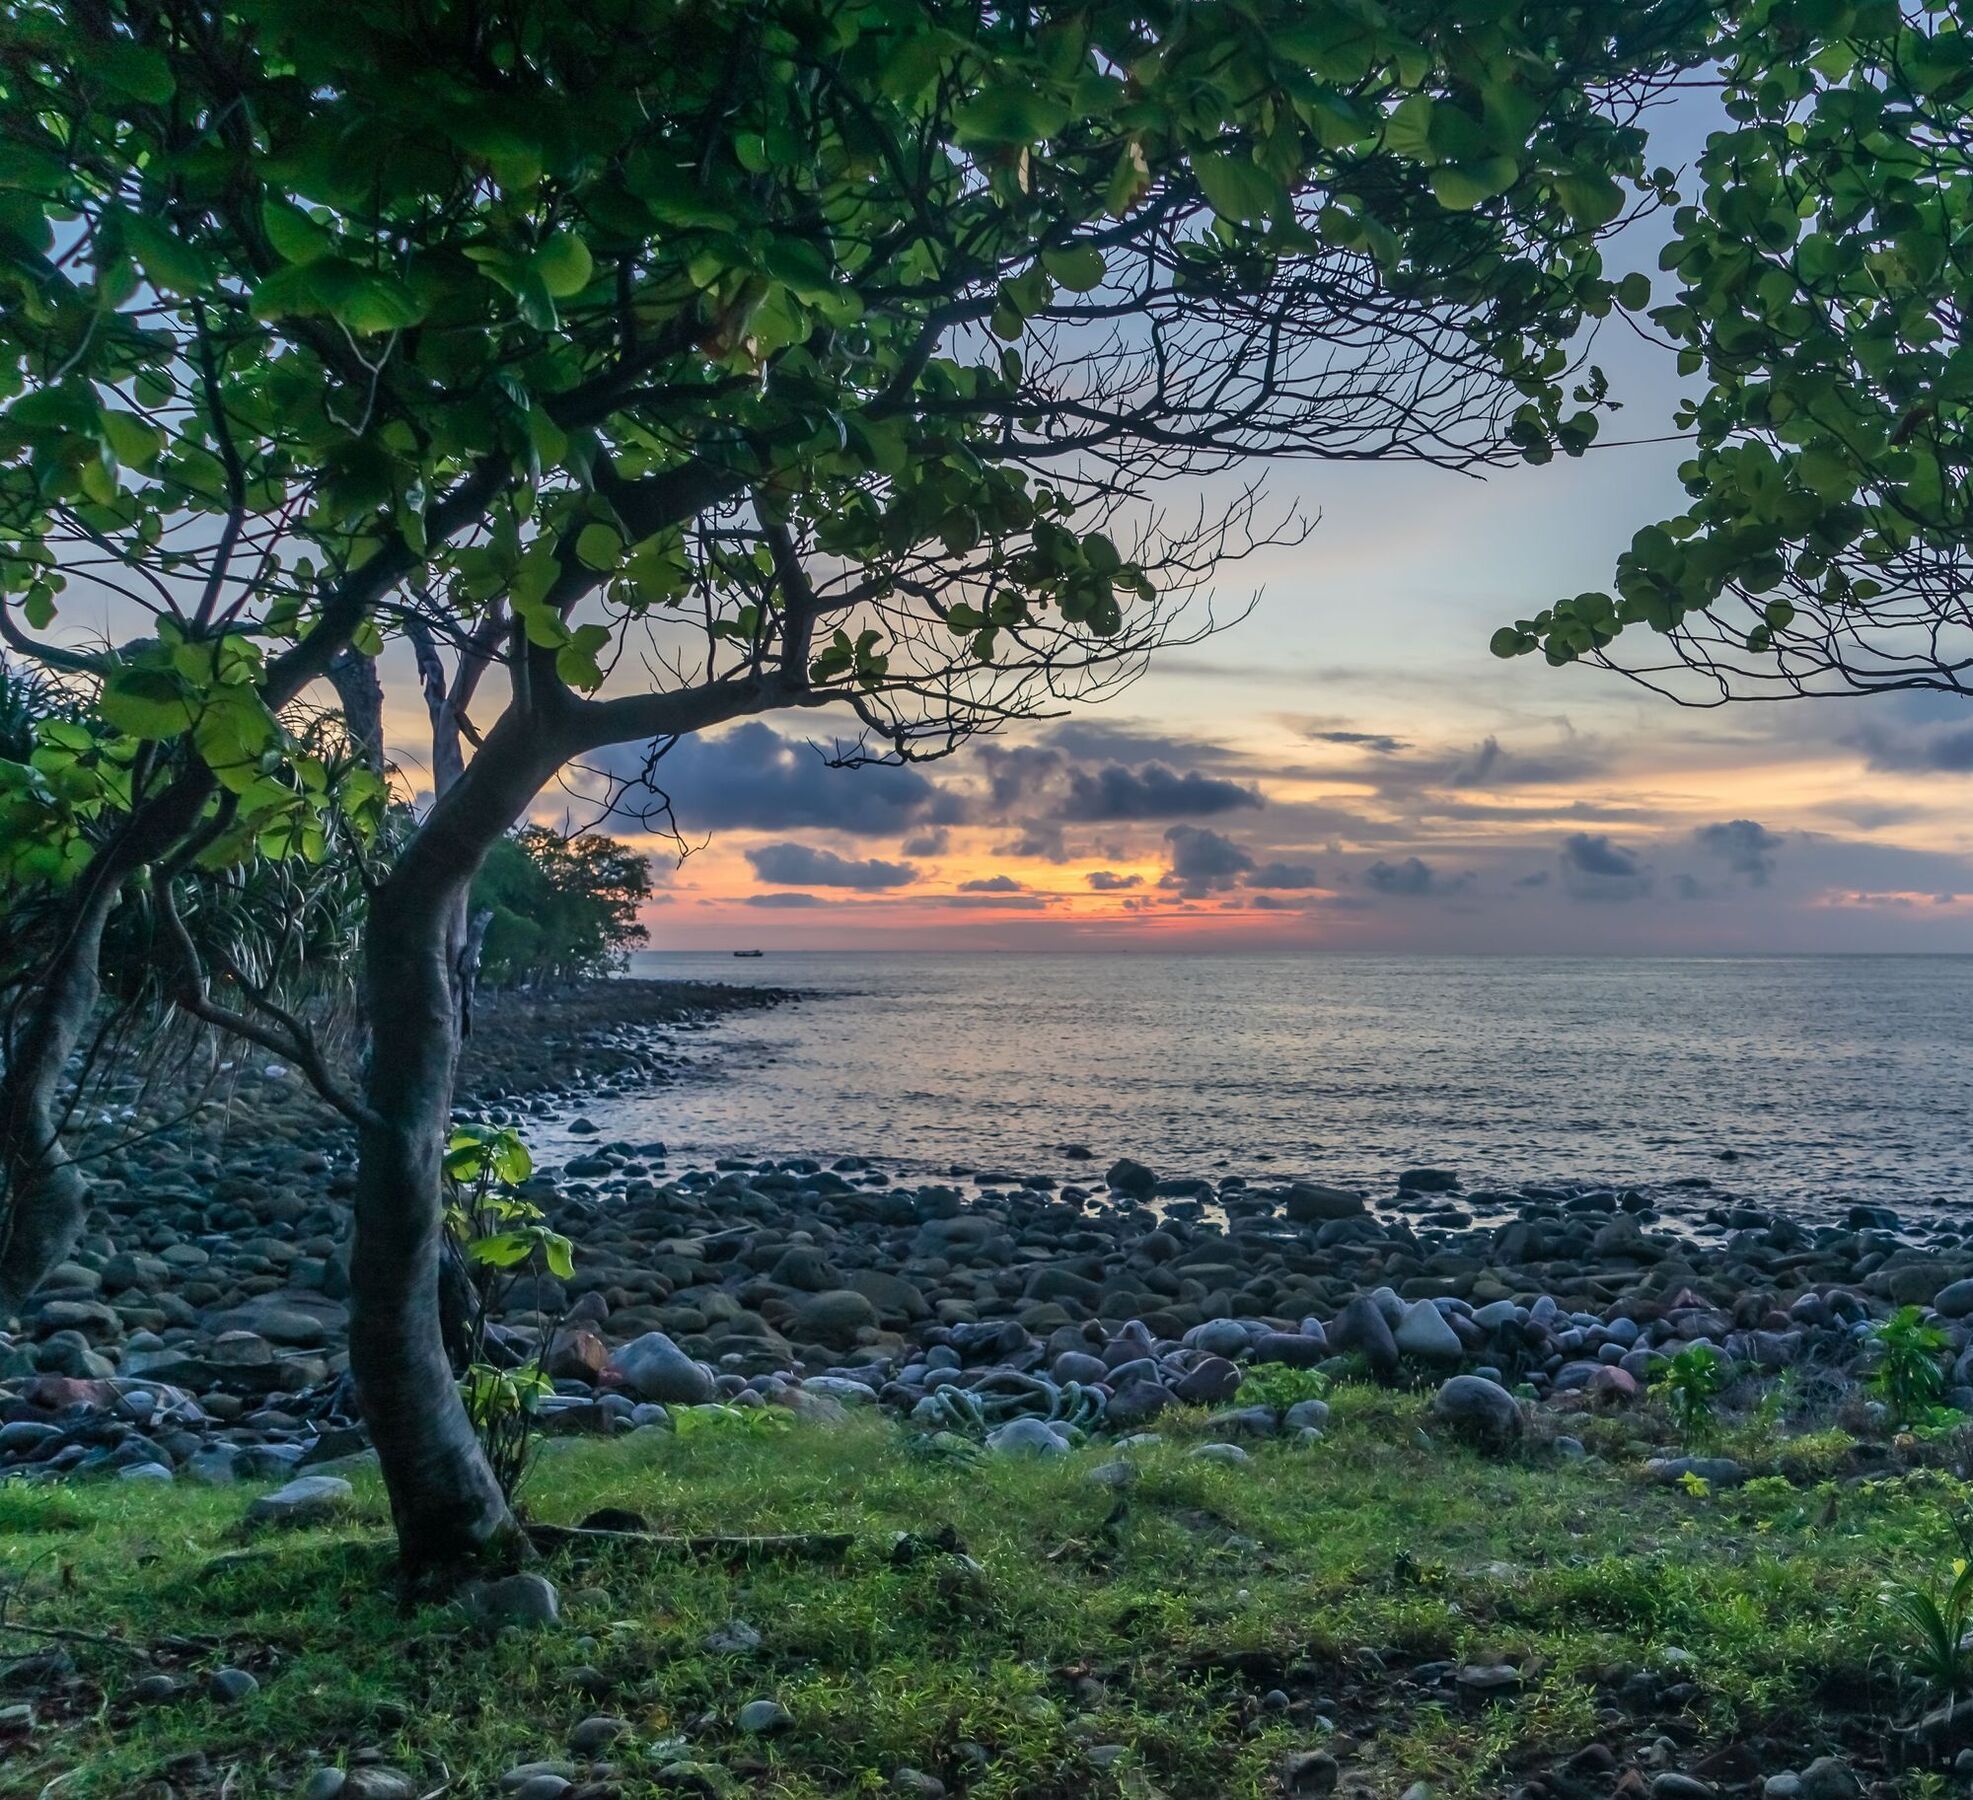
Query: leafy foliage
pixel 1824 270
pixel 498 1235
pixel 1280 1386
pixel 1906 1374
pixel 1689 1384
pixel 1938 1616
pixel 563 908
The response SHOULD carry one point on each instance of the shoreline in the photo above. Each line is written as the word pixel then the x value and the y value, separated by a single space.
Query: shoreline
pixel 200 1329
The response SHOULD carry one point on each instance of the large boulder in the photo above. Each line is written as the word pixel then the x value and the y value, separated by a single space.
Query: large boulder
pixel 1481 1411
pixel 1424 1332
pixel 833 1318
pixel 654 1368
pixel 1361 1327
pixel 1127 1176
pixel 1310 1203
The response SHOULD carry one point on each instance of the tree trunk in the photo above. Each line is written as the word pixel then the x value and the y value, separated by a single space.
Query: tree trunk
pixel 448 1508
pixel 47 1199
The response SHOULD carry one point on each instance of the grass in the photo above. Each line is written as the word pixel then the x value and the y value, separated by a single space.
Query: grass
pixel 1160 1623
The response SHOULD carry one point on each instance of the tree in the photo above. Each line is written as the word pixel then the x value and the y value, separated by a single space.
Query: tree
pixel 1826 285
pixel 687 362
pixel 561 909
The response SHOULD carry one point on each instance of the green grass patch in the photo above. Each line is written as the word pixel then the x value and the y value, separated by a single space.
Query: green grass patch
pixel 1095 1643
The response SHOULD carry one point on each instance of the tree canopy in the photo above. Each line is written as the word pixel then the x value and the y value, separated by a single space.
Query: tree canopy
pixel 562 908
pixel 1825 271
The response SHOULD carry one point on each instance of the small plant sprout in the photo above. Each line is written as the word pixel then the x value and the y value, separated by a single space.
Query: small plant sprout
pixel 1907 1376
pixel 496 1235
pixel 1280 1385
pixel 1689 1385
pixel 1937 1615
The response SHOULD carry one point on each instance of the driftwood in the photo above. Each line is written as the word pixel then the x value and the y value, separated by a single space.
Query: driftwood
pixel 804 1546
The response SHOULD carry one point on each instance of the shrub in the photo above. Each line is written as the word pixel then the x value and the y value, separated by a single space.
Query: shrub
pixel 1907 1376
pixel 1689 1385
pixel 1280 1385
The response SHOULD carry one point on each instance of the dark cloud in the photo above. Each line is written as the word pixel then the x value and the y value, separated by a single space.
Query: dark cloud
pixel 1015 771
pixel 1106 881
pixel 1038 838
pixel 802 865
pixel 1595 868
pixel 1403 774
pixel 1283 875
pixel 752 778
pixel 1362 740
pixel 1202 862
pixel 783 900
pixel 1540 878
pixel 991 884
pixel 1407 879
pixel 1745 846
pixel 1151 791
pixel 1936 753
pixel 934 842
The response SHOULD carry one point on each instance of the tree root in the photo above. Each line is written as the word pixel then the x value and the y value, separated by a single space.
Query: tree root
pixel 807 1546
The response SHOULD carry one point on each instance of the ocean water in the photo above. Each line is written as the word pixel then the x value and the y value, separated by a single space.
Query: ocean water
pixel 1824 1079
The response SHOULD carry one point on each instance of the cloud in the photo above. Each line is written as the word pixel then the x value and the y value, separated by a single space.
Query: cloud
pixel 1595 868
pixel 1362 740
pixel 752 778
pixel 934 842
pixel 992 884
pixel 1935 753
pixel 1151 792
pixel 1407 879
pixel 1040 838
pixel 1283 875
pixel 1746 847
pixel 783 900
pixel 801 865
pixel 1202 862
pixel 1107 881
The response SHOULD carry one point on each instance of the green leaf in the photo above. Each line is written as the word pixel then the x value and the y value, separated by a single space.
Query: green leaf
pixel 1236 187
pixel 131 68
pixel 169 263
pixel 564 265
pixel 1013 114
pixel 146 703
pixel 296 237
pixel 599 546
pixel 1077 267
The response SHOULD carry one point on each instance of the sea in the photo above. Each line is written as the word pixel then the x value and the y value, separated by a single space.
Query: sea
pixel 1810 1082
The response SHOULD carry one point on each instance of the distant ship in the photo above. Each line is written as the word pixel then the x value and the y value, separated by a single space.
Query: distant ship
pixel 750 953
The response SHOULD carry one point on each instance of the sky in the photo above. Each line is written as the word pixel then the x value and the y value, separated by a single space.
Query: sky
pixel 1346 765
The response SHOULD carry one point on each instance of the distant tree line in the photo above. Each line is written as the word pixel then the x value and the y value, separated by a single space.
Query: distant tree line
pixel 559 909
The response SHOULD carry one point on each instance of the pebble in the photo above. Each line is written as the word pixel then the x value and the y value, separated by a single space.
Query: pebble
pixel 228 1687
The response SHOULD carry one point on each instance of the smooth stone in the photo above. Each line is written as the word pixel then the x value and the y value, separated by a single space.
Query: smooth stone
pixel 324 1784
pixel 1025 1437
pixel 228 1687
pixel 1830 1778
pixel 654 1368
pixel 307 1500
pixel 1479 1409
pixel 527 1602
pixel 1310 1203
pixel 597 1733
pixel 761 1718
pixel 378 1781
pixel 735 1638
pixel 1424 1333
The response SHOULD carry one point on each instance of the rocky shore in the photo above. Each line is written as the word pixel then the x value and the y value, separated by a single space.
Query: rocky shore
pixel 199 1330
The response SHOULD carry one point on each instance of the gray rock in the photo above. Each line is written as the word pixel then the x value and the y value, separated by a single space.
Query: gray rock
pixel 762 1718
pixel 1480 1410
pixel 378 1781
pixel 735 1638
pixel 228 1687
pixel 324 1784
pixel 1830 1778
pixel 1026 1437
pixel 307 1500
pixel 597 1734
pixel 1424 1333
pixel 1127 1176
pixel 654 1368
pixel 1361 1327
pixel 522 1773
pixel 1955 1300
pixel 1673 1785
pixel 544 1787
pixel 1310 1772
pixel 527 1602
pixel 1306 1415
pixel 833 1318
pixel 1310 1203
pixel 1213 1380
pixel 1716 1471
pixel 1428 1181
pixel 153 1690
pixel 1219 1453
